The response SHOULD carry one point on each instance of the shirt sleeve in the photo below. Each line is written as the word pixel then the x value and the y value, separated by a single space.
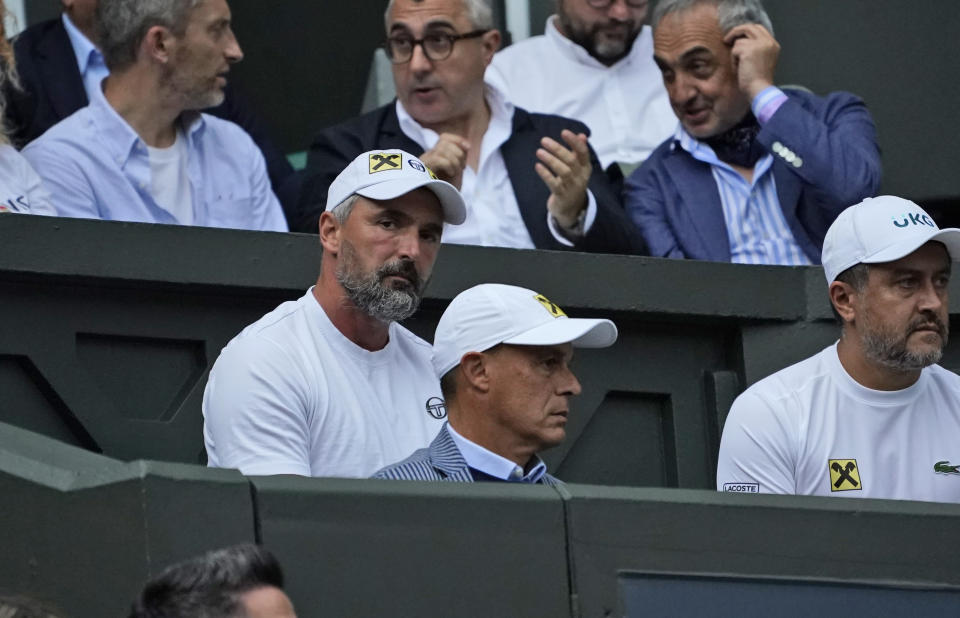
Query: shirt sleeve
pixel 70 193
pixel 37 195
pixel 589 217
pixel 267 207
pixel 756 453
pixel 256 411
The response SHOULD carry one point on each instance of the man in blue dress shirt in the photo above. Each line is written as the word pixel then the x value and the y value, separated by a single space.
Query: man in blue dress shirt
pixel 140 151
pixel 502 354
pixel 754 174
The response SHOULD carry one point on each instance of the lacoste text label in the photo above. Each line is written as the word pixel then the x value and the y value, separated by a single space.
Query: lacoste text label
pixel 742 488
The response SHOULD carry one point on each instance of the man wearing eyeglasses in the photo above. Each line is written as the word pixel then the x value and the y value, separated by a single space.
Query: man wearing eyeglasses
pixel 755 174
pixel 529 180
pixel 603 56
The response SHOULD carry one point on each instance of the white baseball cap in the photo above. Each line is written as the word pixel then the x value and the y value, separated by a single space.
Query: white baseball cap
pixel 491 313
pixel 881 229
pixel 387 174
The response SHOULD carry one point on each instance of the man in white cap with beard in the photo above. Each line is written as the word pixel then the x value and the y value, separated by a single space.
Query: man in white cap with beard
pixel 502 354
pixel 330 384
pixel 871 416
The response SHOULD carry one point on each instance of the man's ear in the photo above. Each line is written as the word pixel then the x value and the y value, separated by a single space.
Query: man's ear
pixel 157 44
pixel 844 299
pixel 474 371
pixel 491 44
pixel 330 233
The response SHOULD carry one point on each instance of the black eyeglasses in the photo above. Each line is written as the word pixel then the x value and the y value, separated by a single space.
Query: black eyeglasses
pixel 603 4
pixel 436 45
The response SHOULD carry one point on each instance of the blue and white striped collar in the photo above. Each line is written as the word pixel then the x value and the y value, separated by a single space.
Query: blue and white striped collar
pixel 496 466
pixel 703 152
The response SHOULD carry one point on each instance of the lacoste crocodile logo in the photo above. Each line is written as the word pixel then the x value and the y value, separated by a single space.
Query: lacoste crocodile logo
pixel 944 467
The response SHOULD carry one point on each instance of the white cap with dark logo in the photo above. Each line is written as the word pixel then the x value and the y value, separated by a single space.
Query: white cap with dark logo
pixel 489 314
pixel 881 229
pixel 388 174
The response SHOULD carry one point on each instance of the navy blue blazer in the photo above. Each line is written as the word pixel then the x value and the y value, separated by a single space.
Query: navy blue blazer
pixel 53 89
pixel 441 461
pixel 674 201
pixel 335 147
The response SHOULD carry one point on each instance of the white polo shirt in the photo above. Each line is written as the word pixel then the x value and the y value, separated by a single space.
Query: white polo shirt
pixel 292 395
pixel 811 429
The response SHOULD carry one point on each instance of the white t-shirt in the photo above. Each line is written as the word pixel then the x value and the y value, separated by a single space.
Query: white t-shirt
pixel 21 190
pixel 292 395
pixel 811 429
pixel 170 179
pixel 625 105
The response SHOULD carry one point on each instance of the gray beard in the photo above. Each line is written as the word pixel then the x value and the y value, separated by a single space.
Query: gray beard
pixel 370 295
pixel 890 351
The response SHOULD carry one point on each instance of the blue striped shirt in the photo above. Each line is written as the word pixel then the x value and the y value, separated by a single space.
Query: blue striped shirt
pixel 756 228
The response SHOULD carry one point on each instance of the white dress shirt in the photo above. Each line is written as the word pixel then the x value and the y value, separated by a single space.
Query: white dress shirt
pixel 625 105
pixel 493 213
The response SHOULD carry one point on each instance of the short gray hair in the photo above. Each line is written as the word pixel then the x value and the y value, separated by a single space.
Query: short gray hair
pixel 730 13
pixel 480 13
pixel 342 210
pixel 122 25
pixel 857 277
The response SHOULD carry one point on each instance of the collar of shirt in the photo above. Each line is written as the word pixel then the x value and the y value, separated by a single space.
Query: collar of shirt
pixel 490 463
pixel 85 51
pixel 120 138
pixel 643 44
pixel 498 131
pixel 703 152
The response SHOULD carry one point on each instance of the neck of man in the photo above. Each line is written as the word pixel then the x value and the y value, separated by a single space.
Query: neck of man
pixel 870 373
pixel 86 28
pixel 367 332
pixel 142 102
pixel 472 422
pixel 471 126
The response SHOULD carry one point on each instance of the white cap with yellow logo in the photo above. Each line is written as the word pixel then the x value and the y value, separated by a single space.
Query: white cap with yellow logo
pixel 388 174
pixel 491 313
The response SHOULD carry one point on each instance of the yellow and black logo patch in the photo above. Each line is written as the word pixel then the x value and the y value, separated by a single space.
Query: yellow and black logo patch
pixel 554 310
pixel 844 475
pixel 383 161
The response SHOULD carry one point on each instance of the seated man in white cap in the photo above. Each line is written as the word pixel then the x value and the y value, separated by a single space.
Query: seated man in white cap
pixel 871 416
pixel 502 354
pixel 330 384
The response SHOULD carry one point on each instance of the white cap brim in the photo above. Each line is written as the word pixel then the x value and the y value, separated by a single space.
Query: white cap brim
pixel 454 208
pixel 581 332
pixel 950 237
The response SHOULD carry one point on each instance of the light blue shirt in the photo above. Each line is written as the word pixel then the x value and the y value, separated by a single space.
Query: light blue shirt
pixel 496 466
pixel 756 228
pixel 89 59
pixel 95 166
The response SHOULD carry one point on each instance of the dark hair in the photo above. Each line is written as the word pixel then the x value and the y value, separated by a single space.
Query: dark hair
pixel 209 586
pixel 856 277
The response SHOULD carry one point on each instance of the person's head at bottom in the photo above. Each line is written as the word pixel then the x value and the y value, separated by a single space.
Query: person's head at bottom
pixel 243 581
pixel 503 356
pixel 888 268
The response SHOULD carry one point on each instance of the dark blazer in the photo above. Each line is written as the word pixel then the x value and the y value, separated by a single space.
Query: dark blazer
pixel 441 461
pixel 335 147
pixel 674 201
pixel 53 89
